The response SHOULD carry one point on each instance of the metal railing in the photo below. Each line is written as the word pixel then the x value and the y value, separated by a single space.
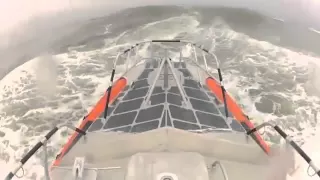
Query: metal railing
pixel 62 171
pixel 41 143
pixel 223 170
pixel 194 45
pixel 291 142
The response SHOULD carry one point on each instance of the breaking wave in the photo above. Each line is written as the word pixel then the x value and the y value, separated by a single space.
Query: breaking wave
pixel 271 79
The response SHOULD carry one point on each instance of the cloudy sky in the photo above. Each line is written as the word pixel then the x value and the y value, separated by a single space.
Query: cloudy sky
pixel 14 12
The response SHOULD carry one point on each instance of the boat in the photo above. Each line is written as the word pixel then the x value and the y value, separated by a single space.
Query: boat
pixel 167 118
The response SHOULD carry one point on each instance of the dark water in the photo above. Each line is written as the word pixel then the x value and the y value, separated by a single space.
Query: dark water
pixel 253 24
pixel 269 81
pixel 41 38
pixel 90 35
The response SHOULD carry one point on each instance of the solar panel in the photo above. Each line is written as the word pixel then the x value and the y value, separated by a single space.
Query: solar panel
pixel 235 125
pixel 128 106
pixel 126 88
pixel 148 65
pixel 120 120
pixel 174 90
pixel 182 114
pixel 191 83
pixel 223 111
pixel 155 63
pixel 97 125
pixel 174 99
pixel 136 93
pixel 145 74
pixel 185 125
pixel 145 126
pixel 158 99
pixel 211 120
pixel 120 95
pixel 150 113
pixel 140 84
pixel 157 90
pixel 176 64
pixel 195 93
pixel 183 64
pixel 185 72
pixel 179 65
pixel 165 107
pixel 204 106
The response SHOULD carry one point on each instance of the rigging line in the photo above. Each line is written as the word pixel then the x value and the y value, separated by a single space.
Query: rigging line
pixel 112 77
pixel 293 144
pixel 109 94
pixel 223 93
pixel 110 88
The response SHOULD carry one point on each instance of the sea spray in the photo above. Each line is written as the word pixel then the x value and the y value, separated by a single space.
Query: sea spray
pixel 46 75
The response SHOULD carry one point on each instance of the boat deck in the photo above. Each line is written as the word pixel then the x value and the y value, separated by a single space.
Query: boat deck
pixel 164 114
pixel 186 154
pixel 166 107
pixel 167 119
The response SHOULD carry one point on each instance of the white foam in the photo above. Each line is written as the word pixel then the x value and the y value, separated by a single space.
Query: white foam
pixel 5 169
pixel 314 30
pixel 159 30
pixel 153 30
pixel 107 27
pixel 12 81
pixel 278 19
pixel 312 149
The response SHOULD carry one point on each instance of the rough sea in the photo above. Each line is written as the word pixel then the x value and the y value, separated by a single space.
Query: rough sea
pixel 271 67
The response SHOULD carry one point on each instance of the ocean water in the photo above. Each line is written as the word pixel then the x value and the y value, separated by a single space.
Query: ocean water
pixel 270 68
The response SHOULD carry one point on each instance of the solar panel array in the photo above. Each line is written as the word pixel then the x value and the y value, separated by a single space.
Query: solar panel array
pixel 165 108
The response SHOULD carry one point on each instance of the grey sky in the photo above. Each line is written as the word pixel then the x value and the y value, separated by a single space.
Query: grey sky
pixel 33 15
pixel 15 12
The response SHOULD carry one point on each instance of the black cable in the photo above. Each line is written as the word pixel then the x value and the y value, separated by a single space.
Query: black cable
pixel 223 93
pixel 108 95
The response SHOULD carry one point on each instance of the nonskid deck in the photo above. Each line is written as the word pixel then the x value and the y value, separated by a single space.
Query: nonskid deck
pixel 166 108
